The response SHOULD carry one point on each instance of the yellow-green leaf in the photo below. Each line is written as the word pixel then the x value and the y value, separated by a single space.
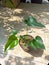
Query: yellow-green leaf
pixel 11 42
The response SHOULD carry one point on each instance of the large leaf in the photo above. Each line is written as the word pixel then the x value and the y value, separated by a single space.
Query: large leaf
pixel 31 21
pixel 39 42
pixel 11 42
pixel 31 44
pixel 36 43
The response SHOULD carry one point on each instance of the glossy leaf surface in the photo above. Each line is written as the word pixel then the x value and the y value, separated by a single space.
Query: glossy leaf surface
pixel 39 42
pixel 11 42
pixel 31 21
pixel 36 43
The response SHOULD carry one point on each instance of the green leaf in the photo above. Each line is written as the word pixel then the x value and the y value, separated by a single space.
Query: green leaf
pixel 31 21
pixel 14 43
pixel 14 32
pixel 39 38
pixel 36 43
pixel 11 42
pixel 39 42
pixel 25 37
pixel 31 44
pixel 21 37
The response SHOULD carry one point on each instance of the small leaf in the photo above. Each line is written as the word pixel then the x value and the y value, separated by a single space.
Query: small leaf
pixel 14 32
pixel 39 38
pixel 21 37
pixel 11 42
pixel 24 37
pixel 31 21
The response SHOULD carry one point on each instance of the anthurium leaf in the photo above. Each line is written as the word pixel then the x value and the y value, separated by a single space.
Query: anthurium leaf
pixel 14 43
pixel 31 44
pixel 39 42
pixel 36 43
pixel 11 42
pixel 39 38
pixel 31 21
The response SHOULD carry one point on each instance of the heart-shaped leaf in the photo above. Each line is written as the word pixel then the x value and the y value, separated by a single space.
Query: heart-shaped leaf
pixel 11 42
pixel 31 21
pixel 32 45
pixel 39 42
pixel 36 43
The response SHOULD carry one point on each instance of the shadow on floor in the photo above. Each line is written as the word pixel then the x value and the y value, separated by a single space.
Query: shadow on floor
pixel 19 61
pixel 39 11
pixel 36 53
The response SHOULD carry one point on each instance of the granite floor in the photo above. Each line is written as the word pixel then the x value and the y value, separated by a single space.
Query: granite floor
pixel 9 22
